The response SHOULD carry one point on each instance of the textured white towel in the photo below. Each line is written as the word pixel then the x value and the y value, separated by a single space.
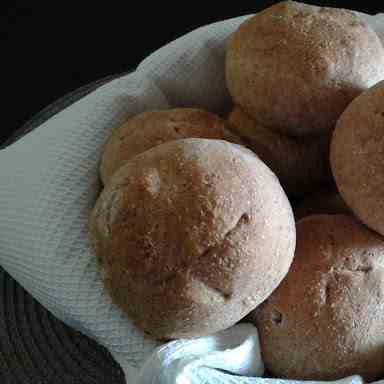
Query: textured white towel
pixel 49 182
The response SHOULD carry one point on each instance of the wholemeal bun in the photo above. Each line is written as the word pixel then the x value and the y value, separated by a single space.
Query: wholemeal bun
pixel 192 235
pixel 295 67
pixel 325 320
pixel 357 157
pixel 152 128
pixel 300 163
pixel 327 200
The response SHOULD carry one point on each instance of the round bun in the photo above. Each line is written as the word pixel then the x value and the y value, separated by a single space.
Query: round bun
pixel 325 201
pixel 295 67
pixel 357 157
pixel 325 320
pixel 301 164
pixel 192 235
pixel 149 129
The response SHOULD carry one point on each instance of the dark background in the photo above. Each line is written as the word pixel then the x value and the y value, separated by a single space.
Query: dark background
pixel 47 50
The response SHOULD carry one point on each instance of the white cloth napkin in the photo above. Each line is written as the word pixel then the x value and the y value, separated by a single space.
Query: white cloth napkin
pixel 49 183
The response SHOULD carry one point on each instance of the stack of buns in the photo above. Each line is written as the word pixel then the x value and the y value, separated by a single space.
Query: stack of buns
pixel 292 70
pixel 194 229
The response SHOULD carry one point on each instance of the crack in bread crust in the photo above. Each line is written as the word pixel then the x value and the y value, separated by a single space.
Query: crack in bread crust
pixel 189 270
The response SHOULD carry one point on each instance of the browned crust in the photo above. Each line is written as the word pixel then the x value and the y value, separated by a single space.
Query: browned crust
pixel 192 234
pixel 295 67
pixel 357 157
pixel 148 129
pixel 300 163
pixel 324 321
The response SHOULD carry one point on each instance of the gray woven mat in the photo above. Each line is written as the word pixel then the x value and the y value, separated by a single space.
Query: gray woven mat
pixel 35 347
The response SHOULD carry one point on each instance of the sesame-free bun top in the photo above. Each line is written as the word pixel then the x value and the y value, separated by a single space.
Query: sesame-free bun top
pixel 295 67
pixel 148 129
pixel 325 320
pixel 357 157
pixel 300 163
pixel 192 235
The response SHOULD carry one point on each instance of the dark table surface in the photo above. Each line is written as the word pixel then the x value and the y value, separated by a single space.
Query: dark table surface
pixel 46 52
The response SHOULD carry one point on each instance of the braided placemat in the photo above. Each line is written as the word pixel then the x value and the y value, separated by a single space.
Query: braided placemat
pixel 35 347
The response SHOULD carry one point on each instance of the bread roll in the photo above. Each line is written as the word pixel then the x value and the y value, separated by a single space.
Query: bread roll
pixel 300 163
pixel 192 235
pixel 325 201
pixel 357 157
pixel 325 320
pixel 149 129
pixel 295 67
